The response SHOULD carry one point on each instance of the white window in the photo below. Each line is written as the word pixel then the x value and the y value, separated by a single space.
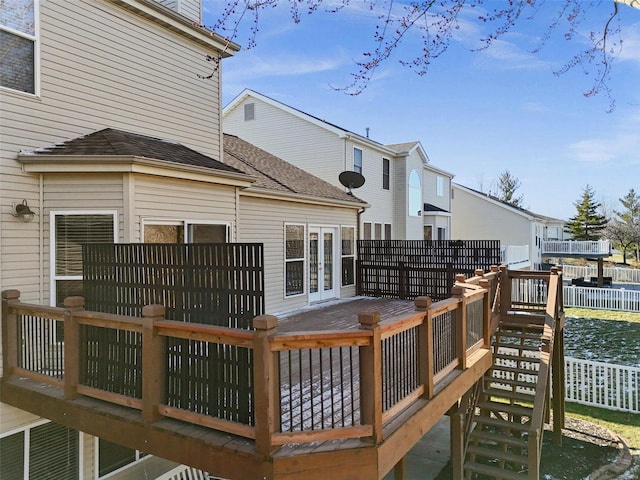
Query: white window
pixel 348 255
pixel 42 450
pixel 442 233
pixel 440 186
pixel 415 194
pixel 19 40
pixel 294 259
pixel 357 160
pixel 184 231
pixel 69 231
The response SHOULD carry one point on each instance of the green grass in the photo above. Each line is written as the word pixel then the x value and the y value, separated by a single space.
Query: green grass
pixel 625 424
pixel 602 314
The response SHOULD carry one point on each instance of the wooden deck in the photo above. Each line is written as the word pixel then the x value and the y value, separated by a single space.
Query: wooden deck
pixel 341 390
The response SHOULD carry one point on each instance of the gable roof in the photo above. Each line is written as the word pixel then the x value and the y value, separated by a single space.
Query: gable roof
pixel 274 174
pixel 497 201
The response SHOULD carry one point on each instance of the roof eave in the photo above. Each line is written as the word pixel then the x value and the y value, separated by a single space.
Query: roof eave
pixel 43 163
pixel 262 192
pixel 180 24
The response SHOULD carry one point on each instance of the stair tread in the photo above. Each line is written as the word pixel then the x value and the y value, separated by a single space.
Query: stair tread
pixel 512 382
pixel 506 356
pixel 517 346
pixel 500 423
pixel 506 408
pixel 518 335
pixel 494 472
pixel 496 453
pixel 502 393
pixel 507 368
pixel 485 436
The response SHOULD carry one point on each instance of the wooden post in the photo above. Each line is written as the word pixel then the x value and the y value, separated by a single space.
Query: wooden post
pixel 456 429
pixel 9 333
pixel 461 326
pixel 72 305
pixel 371 375
pixel 600 272
pixel 425 337
pixel 505 291
pixel 154 363
pixel 400 469
pixel 266 383
pixel 479 272
pixel 460 278
pixel 486 312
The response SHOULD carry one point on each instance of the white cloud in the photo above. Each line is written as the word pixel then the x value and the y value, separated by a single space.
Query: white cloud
pixel 630 50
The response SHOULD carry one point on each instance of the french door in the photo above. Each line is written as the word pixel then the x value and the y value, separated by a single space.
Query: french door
pixel 322 263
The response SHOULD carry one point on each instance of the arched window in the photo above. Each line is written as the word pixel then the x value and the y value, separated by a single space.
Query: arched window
pixel 415 194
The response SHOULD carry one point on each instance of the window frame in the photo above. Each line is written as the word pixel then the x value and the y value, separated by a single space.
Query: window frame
pixel 367 230
pixel 303 259
pixel 388 231
pixel 185 224
pixel 386 174
pixel 53 277
pixel 25 430
pixel 440 186
pixel 344 256
pixel 357 166
pixel 414 190
pixel 35 38
pixel 139 457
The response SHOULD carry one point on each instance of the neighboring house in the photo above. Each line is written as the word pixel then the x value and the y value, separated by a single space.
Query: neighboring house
pixel 410 198
pixel 480 216
pixel 109 133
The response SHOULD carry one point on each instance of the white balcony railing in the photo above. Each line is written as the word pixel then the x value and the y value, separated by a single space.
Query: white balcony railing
pixel 515 256
pixel 576 247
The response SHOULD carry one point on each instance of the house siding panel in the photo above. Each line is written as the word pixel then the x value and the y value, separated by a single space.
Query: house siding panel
pixel 263 221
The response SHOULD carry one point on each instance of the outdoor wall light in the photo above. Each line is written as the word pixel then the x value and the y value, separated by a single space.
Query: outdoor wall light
pixel 22 211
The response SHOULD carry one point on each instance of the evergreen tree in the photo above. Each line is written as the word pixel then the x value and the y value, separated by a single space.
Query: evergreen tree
pixel 587 224
pixel 506 190
pixel 627 224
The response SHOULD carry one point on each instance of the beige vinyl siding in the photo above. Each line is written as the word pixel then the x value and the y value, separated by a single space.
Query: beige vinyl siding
pixel 263 221
pixel 429 190
pixel 399 186
pixel 12 418
pixel 301 143
pixel 475 218
pixel 161 198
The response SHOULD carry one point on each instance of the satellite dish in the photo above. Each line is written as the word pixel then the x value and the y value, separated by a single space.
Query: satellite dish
pixel 351 179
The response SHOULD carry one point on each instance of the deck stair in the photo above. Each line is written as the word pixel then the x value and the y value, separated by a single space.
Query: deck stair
pixel 498 443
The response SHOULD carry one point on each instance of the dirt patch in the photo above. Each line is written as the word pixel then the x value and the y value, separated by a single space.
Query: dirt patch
pixel 586 448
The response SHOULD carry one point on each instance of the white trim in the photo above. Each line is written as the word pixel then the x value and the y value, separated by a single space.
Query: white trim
pixel 323 294
pixel 353 254
pixel 52 245
pixel 297 259
pixel 35 38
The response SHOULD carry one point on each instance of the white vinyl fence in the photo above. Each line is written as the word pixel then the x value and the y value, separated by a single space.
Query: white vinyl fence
pixel 602 298
pixel 604 385
pixel 618 274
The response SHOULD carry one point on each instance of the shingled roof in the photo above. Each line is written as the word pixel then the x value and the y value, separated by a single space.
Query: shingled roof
pixel 275 174
pixel 109 141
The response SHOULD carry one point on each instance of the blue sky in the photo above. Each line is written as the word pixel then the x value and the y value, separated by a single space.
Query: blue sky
pixel 475 113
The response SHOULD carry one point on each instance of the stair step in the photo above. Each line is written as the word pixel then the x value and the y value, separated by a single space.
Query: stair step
pixel 517 346
pixel 477 434
pixel 498 454
pixel 517 410
pixel 506 368
pixel 509 394
pixel 513 383
pixel 494 472
pixel 518 335
pixel 516 358
pixel 500 423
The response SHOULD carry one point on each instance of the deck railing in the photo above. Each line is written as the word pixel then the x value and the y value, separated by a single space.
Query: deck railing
pixel 305 386
pixel 576 247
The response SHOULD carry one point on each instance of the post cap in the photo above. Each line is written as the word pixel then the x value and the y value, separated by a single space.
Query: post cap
pixel 74 302
pixel 265 322
pixel 369 318
pixel 153 310
pixel 423 303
